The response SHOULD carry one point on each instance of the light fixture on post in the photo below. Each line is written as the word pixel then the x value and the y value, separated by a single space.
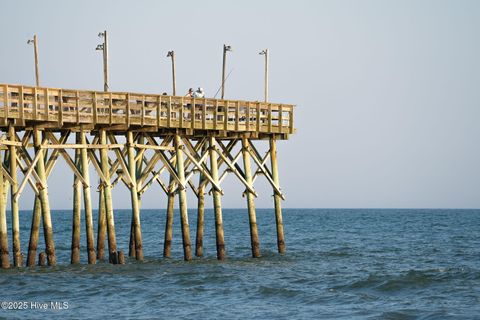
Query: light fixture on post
pixel 265 53
pixel 34 41
pixel 104 48
pixel 225 49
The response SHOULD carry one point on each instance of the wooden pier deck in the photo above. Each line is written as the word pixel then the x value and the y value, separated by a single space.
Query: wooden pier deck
pixel 136 139
pixel 69 109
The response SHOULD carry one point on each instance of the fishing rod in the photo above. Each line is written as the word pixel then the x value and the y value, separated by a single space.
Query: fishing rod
pixel 223 83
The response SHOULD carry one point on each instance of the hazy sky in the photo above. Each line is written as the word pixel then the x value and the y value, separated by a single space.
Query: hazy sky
pixel 387 91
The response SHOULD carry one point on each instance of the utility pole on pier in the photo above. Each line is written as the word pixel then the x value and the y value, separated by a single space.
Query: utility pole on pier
pixel 265 53
pixel 172 55
pixel 34 41
pixel 225 49
pixel 104 47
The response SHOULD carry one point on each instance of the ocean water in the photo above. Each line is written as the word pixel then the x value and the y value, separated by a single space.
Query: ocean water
pixel 340 264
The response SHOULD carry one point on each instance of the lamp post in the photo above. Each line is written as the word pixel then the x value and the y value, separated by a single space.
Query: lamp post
pixel 225 49
pixel 265 53
pixel 171 54
pixel 104 48
pixel 35 50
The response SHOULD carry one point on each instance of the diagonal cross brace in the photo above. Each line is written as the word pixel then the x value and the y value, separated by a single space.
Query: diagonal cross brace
pixel 265 172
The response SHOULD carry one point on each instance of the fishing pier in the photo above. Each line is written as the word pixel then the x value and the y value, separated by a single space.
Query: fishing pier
pixel 138 140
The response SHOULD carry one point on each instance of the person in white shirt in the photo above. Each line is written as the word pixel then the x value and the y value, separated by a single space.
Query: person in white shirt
pixel 199 93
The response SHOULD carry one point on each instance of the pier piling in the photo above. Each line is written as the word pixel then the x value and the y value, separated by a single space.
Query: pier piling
pixel 136 226
pixel 34 232
pixel 200 213
pixel 17 255
pixel 77 211
pixel 167 243
pixel 182 200
pixel 4 255
pixel 87 202
pixel 44 202
pixel 276 197
pixel 217 202
pixel 107 194
pixel 252 216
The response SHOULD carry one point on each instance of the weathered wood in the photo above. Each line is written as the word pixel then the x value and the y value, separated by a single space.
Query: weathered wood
pixel 136 226
pixel 81 146
pixel 87 201
pixel 200 214
pixel 4 254
pixel 43 193
pixel 147 146
pixel 217 203
pixel 76 217
pixel 265 172
pixel 107 192
pixel 167 243
pixel 102 224
pixel 64 108
pixel 35 50
pixel 277 197
pixel 138 159
pixel 191 123
pixel 34 232
pixel 17 255
pixel 42 259
pixel 120 257
pixel 182 196
pixel 254 240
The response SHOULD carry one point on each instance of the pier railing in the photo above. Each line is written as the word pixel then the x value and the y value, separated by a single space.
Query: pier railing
pixel 64 106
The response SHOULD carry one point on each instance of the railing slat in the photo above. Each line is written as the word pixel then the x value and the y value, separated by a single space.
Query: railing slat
pixel 47 107
pixel 6 102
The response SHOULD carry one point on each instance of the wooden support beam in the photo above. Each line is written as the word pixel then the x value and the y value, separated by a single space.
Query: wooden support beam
pixel 150 147
pixel 81 146
pixel 203 171
pixel 102 224
pixel 32 183
pixel 6 174
pixel 76 217
pixel 43 193
pixel 120 159
pixel 37 208
pixel 137 230
pixel 67 158
pixel 107 192
pixel 277 197
pixel 220 162
pixel 245 182
pixel 87 201
pixel 227 170
pixel 34 232
pixel 229 156
pixel 263 161
pixel 54 156
pixel 138 160
pixel 172 170
pixel 182 195
pixel 200 214
pixel 4 254
pixel 217 202
pixel 255 242
pixel 167 243
pixel 267 175
pixel 17 254
pixel 98 168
